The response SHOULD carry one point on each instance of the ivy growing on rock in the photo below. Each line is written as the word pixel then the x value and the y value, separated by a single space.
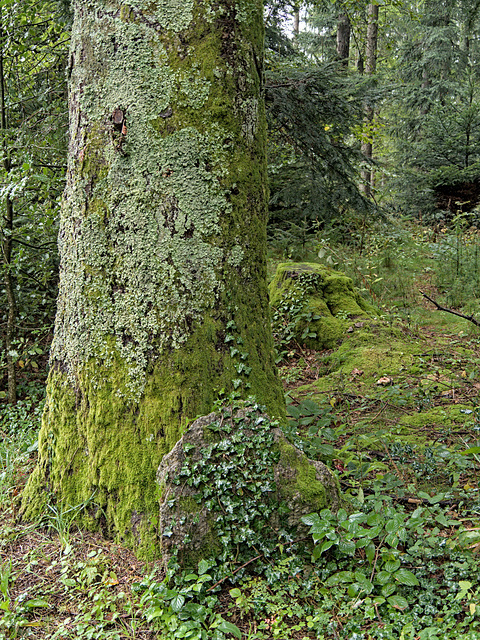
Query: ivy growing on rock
pixel 235 489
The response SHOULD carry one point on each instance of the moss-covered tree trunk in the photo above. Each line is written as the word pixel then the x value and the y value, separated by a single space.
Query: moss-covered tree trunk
pixel 163 300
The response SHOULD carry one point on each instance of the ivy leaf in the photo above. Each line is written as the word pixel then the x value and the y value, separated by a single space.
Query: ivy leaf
pixel 204 566
pixel 465 587
pixel 406 577
pixel 228 627
pixel 398 602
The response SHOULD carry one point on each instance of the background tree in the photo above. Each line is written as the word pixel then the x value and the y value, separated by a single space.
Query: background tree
pixel 314 109
pixel 163 302
pixel 313 155
pixel 33 121
pixel 434 125
pixel 370 69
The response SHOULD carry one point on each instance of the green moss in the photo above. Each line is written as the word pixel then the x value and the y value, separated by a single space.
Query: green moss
pixel 447 416
pixel 304 481
pixel 211 548
pixel 189 505
pixel 376 350
pixel 322 300
pixel 114 446
pixel 334 288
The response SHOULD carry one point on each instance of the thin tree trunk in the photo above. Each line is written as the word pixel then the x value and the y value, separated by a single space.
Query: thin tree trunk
pixel 370 68
pixel 296 21
pixel 7 243
pixel 343 39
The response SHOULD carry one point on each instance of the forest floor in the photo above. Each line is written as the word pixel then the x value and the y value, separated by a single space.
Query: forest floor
pixel 394 410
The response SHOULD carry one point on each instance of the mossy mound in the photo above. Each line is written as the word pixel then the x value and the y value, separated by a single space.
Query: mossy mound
pixel 390 381
pixel 317 304
pixel 449 416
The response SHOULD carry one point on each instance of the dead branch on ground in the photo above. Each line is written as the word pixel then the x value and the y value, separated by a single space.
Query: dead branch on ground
pixel 455 313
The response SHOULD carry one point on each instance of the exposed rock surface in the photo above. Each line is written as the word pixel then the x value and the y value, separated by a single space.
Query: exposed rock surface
pixel 300 484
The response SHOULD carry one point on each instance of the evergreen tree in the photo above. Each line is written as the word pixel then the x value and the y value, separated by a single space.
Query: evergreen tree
pixel 434 122
pixel 313 153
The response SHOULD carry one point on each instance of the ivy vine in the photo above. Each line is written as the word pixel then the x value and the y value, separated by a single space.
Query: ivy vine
pixel 234 480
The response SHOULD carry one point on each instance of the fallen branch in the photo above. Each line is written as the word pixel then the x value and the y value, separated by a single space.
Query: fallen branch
pixel 455 313
pixel 234 572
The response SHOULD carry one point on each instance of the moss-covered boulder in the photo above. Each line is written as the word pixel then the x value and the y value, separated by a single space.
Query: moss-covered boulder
pixel 231 483
pixel 314 304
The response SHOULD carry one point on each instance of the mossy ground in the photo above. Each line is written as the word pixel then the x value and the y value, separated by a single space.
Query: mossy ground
pixel 406 378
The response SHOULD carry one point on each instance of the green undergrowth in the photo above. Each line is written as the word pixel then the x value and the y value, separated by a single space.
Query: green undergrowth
pixel 397 260
pixel 391 406
pixel 397 561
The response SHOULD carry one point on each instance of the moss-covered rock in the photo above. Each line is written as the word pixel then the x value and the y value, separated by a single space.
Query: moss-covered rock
pixel 318 302
pixel 232 482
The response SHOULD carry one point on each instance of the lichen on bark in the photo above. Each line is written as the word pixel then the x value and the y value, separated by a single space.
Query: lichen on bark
pixel 162 299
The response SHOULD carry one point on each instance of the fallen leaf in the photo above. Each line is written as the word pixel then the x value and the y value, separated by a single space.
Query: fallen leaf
pixel 384 380
pixel 355 373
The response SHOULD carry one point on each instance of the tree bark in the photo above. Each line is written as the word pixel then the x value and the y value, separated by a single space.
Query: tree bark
pixel 162 301
pixel 370 69
pixel 296 21
pixel 343 39
pixel 7 244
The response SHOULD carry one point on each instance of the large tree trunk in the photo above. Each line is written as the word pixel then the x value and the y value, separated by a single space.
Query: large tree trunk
pixel 370 68
pixel 163 301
